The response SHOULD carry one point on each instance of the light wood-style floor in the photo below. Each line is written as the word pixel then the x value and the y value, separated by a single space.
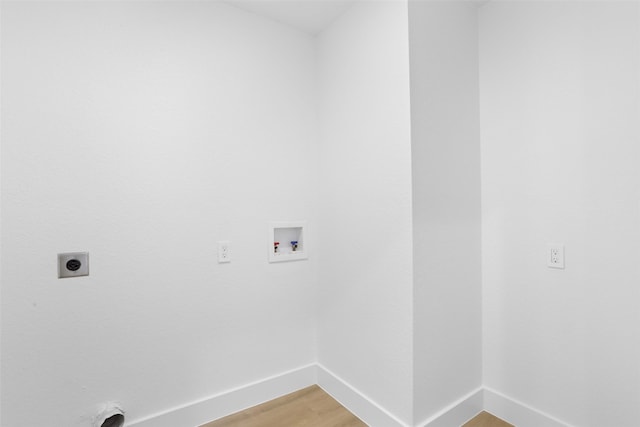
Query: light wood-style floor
pixel 309 407
pixel 312 407
pixel 485 419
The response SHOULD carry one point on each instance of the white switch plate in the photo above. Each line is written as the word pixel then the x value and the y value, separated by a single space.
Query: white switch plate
pixel 555 256
pixel 224 251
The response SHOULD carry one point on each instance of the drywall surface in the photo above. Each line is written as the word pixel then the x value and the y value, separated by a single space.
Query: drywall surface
pixel 560 120
pixel 365 268
pixel 143 133
pixel 445 147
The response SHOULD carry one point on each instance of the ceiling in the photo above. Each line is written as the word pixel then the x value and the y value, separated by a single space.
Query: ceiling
pixel 309 16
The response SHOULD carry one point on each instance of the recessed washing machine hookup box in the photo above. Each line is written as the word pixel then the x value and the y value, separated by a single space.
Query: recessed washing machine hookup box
pixel 286 241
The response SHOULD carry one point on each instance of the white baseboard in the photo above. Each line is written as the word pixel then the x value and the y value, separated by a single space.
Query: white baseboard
pixel 220 405
pixel 197 413
pixel 496 403
pixel 363 407
pixel 517 413
pixel 458 412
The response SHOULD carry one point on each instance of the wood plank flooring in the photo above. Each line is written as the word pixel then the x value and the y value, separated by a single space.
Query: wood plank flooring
pixel 485 419
pixel 309 407
pixel 312 407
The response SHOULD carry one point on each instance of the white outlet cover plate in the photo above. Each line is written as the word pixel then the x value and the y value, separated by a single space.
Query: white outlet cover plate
pixel 224 251
pixel 555 256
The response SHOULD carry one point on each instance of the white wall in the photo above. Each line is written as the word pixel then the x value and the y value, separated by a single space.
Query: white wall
pixel 365 287
pixel 446 203
pixel 143 133
pixel 560 104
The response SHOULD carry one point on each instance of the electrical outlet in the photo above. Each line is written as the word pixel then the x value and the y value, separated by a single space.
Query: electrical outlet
pixel 73 264
pixel 224 251
pixel 555 254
